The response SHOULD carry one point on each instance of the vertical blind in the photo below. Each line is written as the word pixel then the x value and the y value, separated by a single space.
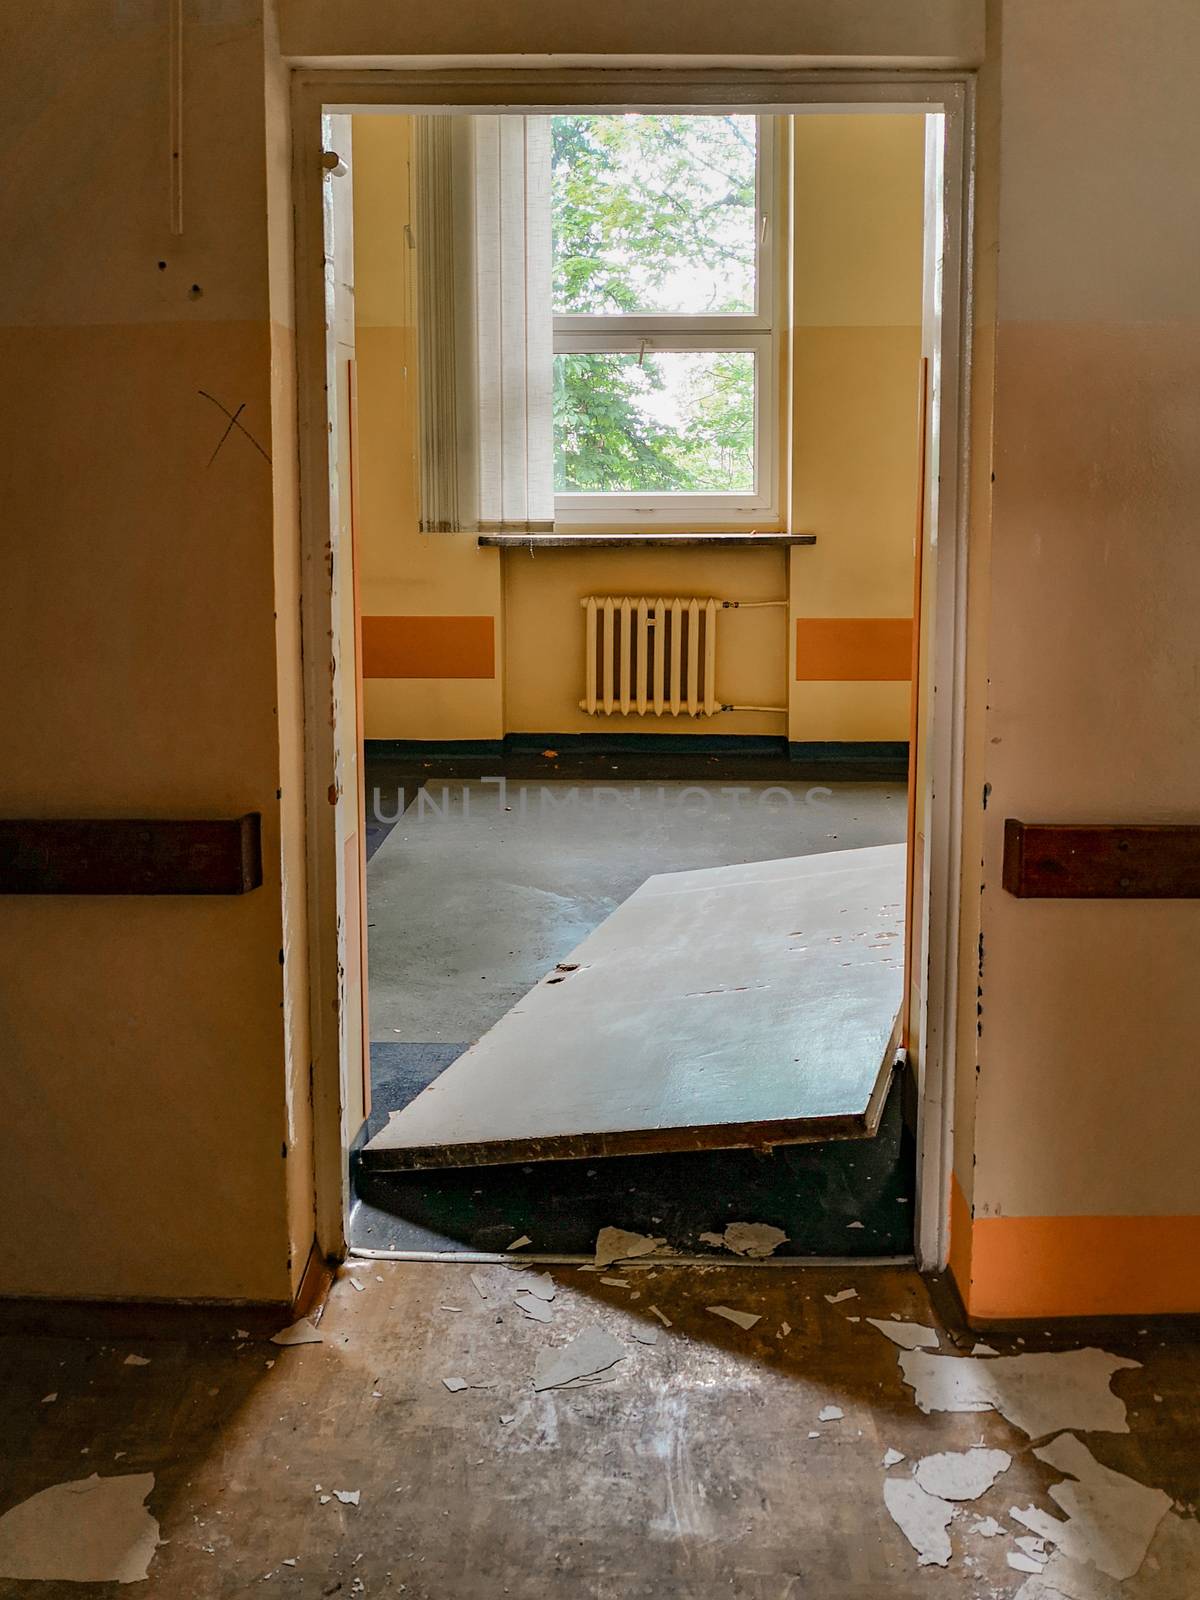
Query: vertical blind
pixel 485 334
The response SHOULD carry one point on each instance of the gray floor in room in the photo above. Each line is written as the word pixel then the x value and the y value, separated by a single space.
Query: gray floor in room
pixel 473 895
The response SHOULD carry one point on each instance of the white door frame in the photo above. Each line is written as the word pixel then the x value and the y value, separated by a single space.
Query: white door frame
pixel 318 90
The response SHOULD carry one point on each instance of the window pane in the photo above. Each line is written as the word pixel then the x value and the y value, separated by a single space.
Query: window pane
pixel 681 422
pixel 654 214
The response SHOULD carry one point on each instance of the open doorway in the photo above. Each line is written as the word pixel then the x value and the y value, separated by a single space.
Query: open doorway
pixel 546 798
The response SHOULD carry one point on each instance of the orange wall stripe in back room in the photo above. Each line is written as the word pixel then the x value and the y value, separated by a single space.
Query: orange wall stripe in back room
pixel 429 647
pixel 853 649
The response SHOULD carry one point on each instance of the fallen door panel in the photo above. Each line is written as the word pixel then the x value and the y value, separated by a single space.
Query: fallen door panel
pixel 731 1006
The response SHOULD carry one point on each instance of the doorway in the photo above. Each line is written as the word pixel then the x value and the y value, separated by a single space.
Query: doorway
pixel 918 1025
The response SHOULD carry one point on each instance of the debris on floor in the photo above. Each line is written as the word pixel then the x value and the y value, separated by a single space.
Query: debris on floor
pixel 754 1239
pixel 533 1306
pixel 842 1294
pixel 1020 1562
pixel 645 1335
pixel 830 1414
pixel 480 1282
pixel 519 1244
pixel 661 1315
pixel 136 1361
pixel 618 1244
pixel 1038 1393
pixel 301 1332
pixel 348 1497
pixel 1111 1518
pixel 456 1385
pixel 744 1319
pixel 93 1530
pixel 961 1474
pixel 591 1352
pixel 908 1335
pixel 987 1528
pixel 893 1458
pixel 922 1518
pixel 539 1284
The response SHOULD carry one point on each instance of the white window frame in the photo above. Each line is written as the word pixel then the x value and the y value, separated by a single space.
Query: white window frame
pixel 757 332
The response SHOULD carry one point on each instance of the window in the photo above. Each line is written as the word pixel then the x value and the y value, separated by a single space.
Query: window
pixel 596 312
pixel 665 393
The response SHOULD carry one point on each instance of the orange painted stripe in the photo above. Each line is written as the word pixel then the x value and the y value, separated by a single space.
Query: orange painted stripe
pixel 853 649
pixel 1082 1266
pixel 429 647
pixel 960 1240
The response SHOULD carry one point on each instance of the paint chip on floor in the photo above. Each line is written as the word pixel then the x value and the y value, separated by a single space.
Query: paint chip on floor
pixel 49 1399
pixel 480 1283
pixel 830 1414
pixel 754 1239
pixel 534 1308
pixel 1038 1393
pixel 987 1528
pixel 922 1519
pixel 893 1458
pixel 1111 1518
pixel 348 1497
pixel 91 1530
pixel 538 1284
pixel 961 1474
pixel 519 1244
pixel 456 1385
pixel 842 1294
pixel 618 1244
pixel 981 1349
pixel 645 1335
pixel 136 1361
pixel 1020 1562
pixel 301 1332
pixel 908 1335
pixel 661 1315
pixel 743 1319
pixel 590 1353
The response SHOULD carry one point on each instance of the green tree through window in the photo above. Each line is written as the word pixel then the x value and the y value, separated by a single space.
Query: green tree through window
pixel 654 215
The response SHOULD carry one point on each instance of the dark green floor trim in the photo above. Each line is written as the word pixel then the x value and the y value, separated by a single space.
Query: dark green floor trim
pixel 850 750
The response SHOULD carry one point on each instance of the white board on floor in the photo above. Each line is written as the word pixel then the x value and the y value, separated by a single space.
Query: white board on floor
pixel 742 1005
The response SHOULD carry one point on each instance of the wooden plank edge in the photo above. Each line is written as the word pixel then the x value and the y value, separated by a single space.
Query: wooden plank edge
pixel 762 1136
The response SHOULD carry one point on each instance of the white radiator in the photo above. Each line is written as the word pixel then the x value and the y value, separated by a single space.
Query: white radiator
pixel 650 657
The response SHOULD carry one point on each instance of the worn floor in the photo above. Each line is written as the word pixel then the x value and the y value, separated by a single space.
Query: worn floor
pixel 701 1471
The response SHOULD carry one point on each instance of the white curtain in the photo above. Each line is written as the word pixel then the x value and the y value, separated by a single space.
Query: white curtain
pixel 482 220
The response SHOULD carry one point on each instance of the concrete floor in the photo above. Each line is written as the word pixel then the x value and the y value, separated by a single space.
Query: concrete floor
pixel 692 1476
pixel 472 897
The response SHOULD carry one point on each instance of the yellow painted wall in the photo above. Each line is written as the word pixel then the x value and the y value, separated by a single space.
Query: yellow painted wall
pixel 856 346
pixel 1080 1084
pixel 403 572
pixel 145 1043
pixel 155 1123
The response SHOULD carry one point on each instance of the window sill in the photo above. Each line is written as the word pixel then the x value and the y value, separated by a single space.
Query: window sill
pixel 629 541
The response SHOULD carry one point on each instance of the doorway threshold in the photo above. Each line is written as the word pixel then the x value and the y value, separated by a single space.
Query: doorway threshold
pixel 479 1258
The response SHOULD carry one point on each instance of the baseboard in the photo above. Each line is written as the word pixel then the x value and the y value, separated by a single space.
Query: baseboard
pixel 315 1282
pixel 141 1319
pixel 852 754
pixel 433 749
pixel 873 752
